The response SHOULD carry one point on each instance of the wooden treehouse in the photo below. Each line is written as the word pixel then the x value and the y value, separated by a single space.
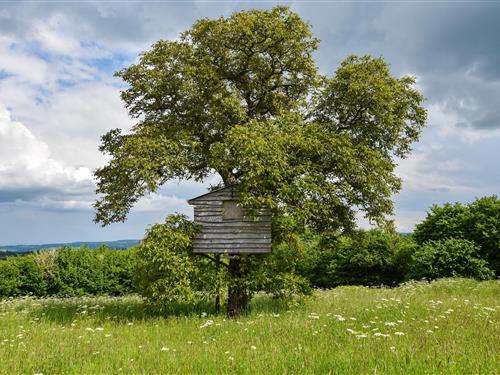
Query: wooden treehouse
pixel 225 227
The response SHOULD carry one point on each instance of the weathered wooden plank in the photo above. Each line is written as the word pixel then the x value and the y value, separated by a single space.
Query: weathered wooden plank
pixel 229 236
pixel 208 213
pixel 231 248
pixel 215 210
pixel 224 230
pixel 232 238
pixel 207 203
pixel 239 251
pixel 265 219
pixel 211 198
pixel 226 245
pixel 238 224
pixel 242 242
pixel 207 219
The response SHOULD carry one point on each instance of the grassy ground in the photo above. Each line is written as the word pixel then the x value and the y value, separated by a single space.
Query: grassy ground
pixel 447 327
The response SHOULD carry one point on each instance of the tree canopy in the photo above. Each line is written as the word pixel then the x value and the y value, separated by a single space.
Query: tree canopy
pixel 242 97
pixel 477 222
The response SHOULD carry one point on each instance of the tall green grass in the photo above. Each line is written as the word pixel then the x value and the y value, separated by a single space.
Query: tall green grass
pixel 451 326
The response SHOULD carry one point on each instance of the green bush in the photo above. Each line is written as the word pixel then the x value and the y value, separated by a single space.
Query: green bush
pixel 478 222
pixel 20 275
pixel 166 271
pixel 10 279
pixel 85 271
pixel 373 257
pixel 447 258
pixel 68 272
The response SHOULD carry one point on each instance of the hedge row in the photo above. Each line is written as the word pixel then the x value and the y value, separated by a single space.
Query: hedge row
pixel 378 258
pixel 365 258
pixel 68 272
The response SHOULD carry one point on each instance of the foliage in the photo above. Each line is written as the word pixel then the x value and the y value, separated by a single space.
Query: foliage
pixel 241 96
pixel 478 222
pixel 450 257
pixel 274 273
pixel 167 271
pixel 165 268
pixel 450 326
pixel 374 257
pixel 68 272
pixel 10 279
pixel 84 271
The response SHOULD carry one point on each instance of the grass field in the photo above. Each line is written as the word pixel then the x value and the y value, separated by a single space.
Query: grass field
pixel 447 327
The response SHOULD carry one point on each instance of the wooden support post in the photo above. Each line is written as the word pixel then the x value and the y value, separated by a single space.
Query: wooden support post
pixel 217 295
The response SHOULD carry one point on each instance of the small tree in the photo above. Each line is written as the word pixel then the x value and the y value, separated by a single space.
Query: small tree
pixel 449 258
pixel 478 222
pixel 241 97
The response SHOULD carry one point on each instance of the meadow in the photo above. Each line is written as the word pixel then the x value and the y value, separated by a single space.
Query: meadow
pixel 450 326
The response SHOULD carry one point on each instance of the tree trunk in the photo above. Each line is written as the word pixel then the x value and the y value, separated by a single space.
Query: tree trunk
pixel 238 297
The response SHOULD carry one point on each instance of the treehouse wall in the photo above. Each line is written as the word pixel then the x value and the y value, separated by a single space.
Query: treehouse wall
pixel 225 228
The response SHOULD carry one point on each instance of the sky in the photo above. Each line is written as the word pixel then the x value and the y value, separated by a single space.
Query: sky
pixel 58 95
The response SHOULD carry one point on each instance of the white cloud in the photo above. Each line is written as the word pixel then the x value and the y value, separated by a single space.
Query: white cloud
pixel 55 35
pixel 74 119
pixel 26 162
pixel 15 62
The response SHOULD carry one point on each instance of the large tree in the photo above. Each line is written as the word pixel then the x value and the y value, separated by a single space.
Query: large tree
pixel 242 97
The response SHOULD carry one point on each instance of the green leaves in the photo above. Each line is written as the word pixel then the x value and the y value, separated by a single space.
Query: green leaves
pixel 478 221
pixel 374 108
pixel 450 257
pixel 165 268
pixel 241 97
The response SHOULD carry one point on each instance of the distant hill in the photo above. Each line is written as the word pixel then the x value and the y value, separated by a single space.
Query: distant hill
pixel 120 244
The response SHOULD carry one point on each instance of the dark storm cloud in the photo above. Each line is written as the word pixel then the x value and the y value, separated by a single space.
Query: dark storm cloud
pixel 124 25
pixel 454 49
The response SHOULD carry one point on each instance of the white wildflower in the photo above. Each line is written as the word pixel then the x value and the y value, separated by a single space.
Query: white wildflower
pixel 380 334
pixel 399 333
pixel 208 323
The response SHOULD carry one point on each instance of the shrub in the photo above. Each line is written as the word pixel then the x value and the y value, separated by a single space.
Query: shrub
pixel 84 271
pixel 168 272
pixel 165 269
pixel 10 279
pixel 32 281
pixel 277 273
pixel 478 221
pixel 373 257
pixel 68 272
pixel 446 258
pixel 20 275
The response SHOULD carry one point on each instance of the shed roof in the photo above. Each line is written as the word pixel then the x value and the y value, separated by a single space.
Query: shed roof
pixel 214 192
